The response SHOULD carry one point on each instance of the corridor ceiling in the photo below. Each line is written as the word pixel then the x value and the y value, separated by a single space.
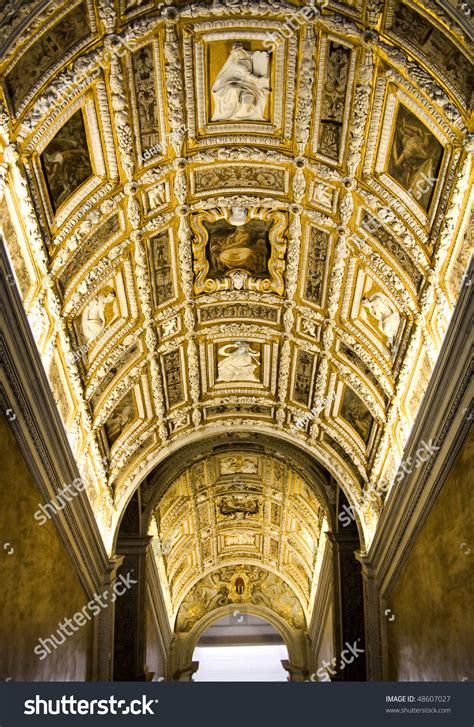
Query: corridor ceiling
pixel 241 215
pixel 239 514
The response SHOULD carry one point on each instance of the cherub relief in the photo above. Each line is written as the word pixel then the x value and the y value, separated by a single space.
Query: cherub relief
pixel 94 317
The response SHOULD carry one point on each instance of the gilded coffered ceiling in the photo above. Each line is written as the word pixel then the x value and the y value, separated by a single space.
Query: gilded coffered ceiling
pixel 238 510
pixel 241 215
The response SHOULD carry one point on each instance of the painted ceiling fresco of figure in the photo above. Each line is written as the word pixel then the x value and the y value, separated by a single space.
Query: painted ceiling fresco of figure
pixel 356 414
pixel 238 507
pixel 66 162
pixel 121 416
pixel 222 587
pixel 45 52
pixel 432 42
pixel 415 157
pixel 241 89
pixel 230 247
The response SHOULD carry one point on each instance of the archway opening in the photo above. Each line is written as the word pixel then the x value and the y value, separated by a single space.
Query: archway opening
pixel 240 647
pixel 232 525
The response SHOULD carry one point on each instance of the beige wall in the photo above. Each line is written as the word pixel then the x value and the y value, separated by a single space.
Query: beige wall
pixel 154 654
pixel 326 645
pixel 39 587
pixel 432 635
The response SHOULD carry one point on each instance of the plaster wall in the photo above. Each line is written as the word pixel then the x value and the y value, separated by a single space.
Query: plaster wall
pixel 325 651
pixel 155 658
pixel 431 637
pixel 39 585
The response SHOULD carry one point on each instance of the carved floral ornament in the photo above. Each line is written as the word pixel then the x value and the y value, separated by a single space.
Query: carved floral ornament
pixel 188 198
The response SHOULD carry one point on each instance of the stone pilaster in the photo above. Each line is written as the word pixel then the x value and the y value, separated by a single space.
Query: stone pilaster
pixel 373 636
pixel 348 608
pixel 130 611
pixel 104 625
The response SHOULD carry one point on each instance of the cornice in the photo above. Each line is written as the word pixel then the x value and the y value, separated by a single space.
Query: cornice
pixel 41 436
pixel 441 420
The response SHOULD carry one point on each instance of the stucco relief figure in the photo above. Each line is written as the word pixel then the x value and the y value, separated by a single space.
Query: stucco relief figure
pixel 157 196
pixel 242 86
pixel 385 313
pixel 234 465
pixel 94 317
pixel 238 278
pixel 415 157
pixel 238 216
pixel 238 363
pixel 169 327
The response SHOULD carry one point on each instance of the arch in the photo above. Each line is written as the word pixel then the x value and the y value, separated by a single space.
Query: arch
pixel 152 489
pixel 295 640
pixel 163 462
pixel 236 563
pixel 258 648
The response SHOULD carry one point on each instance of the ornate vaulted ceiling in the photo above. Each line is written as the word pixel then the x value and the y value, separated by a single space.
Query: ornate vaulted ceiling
pixel 236 214
pixel 239 510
